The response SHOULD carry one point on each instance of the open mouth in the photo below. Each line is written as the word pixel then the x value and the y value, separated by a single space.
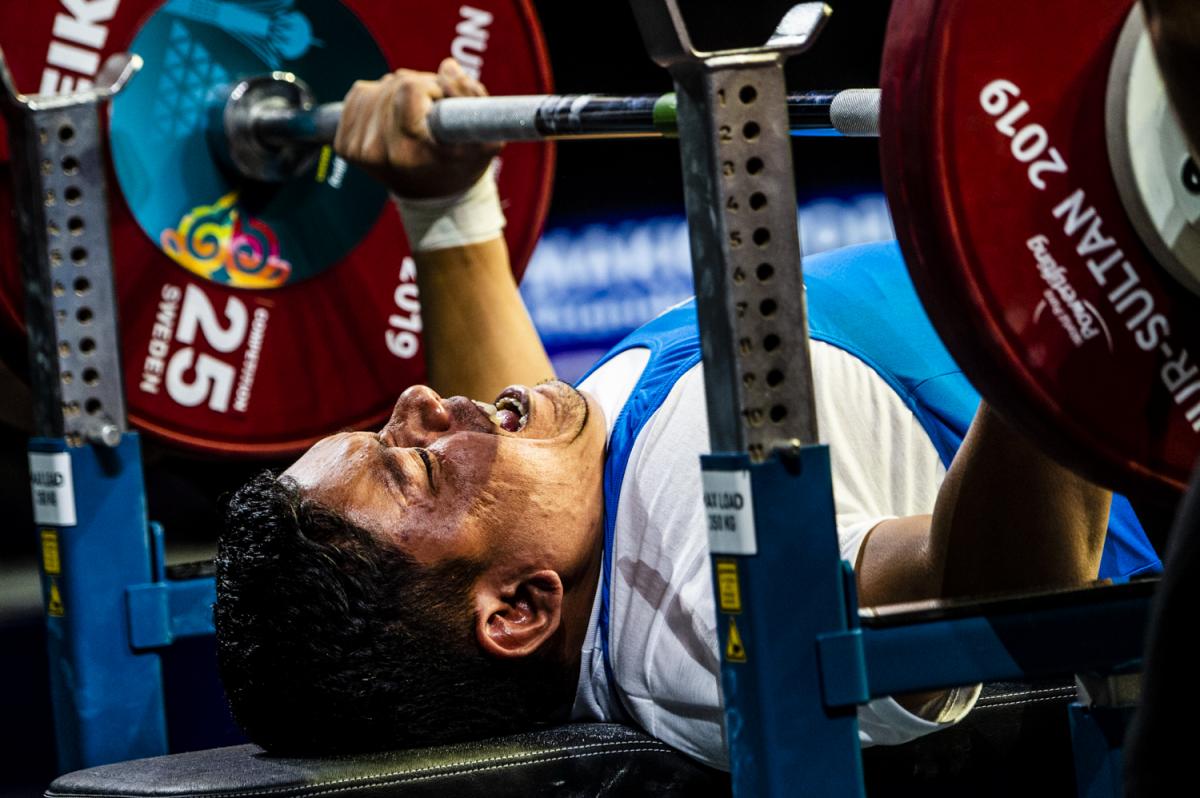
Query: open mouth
pixel 510 411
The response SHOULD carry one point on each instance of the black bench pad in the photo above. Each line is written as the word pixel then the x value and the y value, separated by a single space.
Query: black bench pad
pixel 574 760
pixel 1015 742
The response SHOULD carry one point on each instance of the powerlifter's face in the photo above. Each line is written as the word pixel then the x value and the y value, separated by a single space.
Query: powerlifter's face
pixel 458 478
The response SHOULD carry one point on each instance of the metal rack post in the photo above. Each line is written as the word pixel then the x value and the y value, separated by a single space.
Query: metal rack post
pixel 101 562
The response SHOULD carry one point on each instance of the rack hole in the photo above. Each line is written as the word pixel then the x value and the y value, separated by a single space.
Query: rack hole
pixel 758 201
pixel 82 285
pixel 1191 176
pixel 66 134
pixel 774 377
pixel 87 345
pixel 70 165
pixel 75 225
pixel 93 406
pixel 764 272
pixel 762 236
pixel 84 315
pixel 771 342
pixel 72 195
pixel 79 256
pixel 751 130
pixel 748 94
pixel 91 377
pixel 778 413
pixel 754 165
pixel 768 307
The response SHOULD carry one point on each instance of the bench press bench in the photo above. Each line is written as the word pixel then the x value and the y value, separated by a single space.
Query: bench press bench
pixel 1016 738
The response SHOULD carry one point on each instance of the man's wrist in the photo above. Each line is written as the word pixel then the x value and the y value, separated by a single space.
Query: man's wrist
pixel 468 217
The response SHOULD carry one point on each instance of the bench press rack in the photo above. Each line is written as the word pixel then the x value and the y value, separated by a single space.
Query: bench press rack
pixel 792 679
pixel 791 682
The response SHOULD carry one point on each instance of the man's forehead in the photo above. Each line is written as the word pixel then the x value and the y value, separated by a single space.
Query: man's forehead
pixel 344 472
pixel 327 457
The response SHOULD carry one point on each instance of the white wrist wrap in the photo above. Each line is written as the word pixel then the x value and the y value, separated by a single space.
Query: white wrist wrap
pixel 470 217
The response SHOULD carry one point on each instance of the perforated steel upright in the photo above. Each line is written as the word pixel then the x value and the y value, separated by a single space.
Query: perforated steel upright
pixel 88 494
pixel 767 484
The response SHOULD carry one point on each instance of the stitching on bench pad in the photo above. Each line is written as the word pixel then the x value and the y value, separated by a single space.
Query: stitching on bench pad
pixel 1015 703
pixel 420 774
pixel 1064 690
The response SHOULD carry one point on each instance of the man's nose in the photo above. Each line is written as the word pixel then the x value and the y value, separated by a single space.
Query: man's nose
pixel 419 418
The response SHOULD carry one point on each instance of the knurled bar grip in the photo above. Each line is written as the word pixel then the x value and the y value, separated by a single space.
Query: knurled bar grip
pixel 457 120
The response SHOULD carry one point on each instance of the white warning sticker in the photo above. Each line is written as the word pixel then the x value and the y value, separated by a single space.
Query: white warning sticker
pixel 730 511
pixel 53 488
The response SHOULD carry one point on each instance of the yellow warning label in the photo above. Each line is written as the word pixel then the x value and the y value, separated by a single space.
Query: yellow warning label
pixel 729 592
pixel 323 164
pixel 735 650
pixel 54 606
pixel 50 561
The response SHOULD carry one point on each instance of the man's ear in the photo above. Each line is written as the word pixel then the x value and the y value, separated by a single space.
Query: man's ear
pixel 516 618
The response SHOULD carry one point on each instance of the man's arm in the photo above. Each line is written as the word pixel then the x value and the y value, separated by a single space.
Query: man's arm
pixel 478 337
pixel 1007 518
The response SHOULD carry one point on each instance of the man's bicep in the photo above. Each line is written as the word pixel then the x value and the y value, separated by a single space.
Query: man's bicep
pixel 893 564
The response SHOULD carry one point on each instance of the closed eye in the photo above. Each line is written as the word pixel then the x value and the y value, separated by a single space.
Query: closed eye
pixel 424 455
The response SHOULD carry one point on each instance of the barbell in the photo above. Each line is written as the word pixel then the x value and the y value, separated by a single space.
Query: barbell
pixel 1042 192
pixel 228 204
pixel 265 127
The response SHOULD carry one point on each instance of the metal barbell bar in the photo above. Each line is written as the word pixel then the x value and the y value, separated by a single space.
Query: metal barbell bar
pixel 455 120
pixel 270 123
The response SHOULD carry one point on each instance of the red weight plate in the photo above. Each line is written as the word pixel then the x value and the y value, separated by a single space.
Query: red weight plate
pixel 997 171
pixel 264 367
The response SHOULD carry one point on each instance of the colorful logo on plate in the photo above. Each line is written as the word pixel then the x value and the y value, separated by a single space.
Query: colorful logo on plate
pixel 162 123
pixel 220 244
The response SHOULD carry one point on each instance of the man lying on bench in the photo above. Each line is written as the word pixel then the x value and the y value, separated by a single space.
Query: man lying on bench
pixel 440 579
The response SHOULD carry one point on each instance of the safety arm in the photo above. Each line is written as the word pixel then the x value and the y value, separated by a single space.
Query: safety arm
pixel 478 336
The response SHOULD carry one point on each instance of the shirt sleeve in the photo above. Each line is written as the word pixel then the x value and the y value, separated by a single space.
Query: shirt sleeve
pixel 884 464
pixel 885 722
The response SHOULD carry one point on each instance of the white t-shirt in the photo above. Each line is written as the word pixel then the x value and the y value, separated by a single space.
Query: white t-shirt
pixel 663 641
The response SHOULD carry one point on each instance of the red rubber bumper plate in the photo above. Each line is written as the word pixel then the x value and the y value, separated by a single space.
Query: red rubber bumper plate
pixel 997 171
pixel 256 319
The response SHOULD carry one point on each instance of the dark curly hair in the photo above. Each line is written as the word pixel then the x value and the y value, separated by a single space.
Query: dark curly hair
pixel 330 642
